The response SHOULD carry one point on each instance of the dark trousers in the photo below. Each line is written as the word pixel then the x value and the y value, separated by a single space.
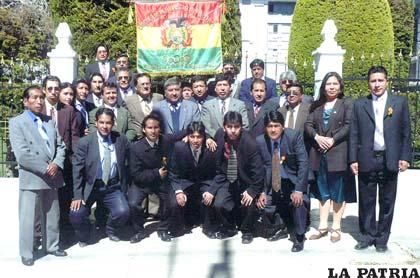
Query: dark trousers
pixel 136 196
pixel 369 183
pixel 113 199
pixel 194 211
pixel 231 212
pixel 287 211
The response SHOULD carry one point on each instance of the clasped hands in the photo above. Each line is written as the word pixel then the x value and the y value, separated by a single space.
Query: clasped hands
pixel 325 143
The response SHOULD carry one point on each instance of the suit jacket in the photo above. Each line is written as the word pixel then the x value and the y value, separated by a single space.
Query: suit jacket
pixel 295 164
pixel 189 112
pixel 245 90
pixel 338 129
pixel 301 116
pixel 123 124
pixel 306 99
pixel 120 93
pixel 212 117
pixel 397 133
pixel 87 160
pixel 81 118
pixel 32 154
pixel 132 104
pixel 183 172
pixel 256 124
pixel 250 167
pixel 94 67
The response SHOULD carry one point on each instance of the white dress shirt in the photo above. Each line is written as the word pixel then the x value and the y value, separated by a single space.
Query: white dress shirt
pixel 107 143
pixel 379 104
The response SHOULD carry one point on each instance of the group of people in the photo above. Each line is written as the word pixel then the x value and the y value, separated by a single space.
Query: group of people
pixel 225 160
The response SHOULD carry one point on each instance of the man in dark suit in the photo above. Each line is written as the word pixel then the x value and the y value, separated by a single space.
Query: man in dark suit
pixel 379 147
pixel 141 104
pixel 99 175
pixel 83 106
pixel 64 118
pixel 122 62
pixel 200 94
pixel 102 65
pixel 286 167
pixel 240 171
pixel 258 107
pixel 148 167
pixel 257 70
pixel 191 173
pixel 230 70
pixel 40 154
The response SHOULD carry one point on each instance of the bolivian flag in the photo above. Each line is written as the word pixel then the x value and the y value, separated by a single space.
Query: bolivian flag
pixel 179 37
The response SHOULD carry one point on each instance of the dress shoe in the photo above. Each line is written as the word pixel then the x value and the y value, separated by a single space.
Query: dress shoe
pixel 362 245
pixel 83 244
pixel 335 235
pixel 282 233
pixel 226 234
pixel 247 238
pixel 298 246
pixel 381 248
pixel 164 236
pixel 113 238
pixel 138 237
pixel 210 234
pixel 28 261
pixel 320 233
pixel 58 253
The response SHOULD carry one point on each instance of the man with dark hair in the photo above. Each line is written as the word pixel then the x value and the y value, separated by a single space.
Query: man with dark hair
pixel 258 107
pixel 102 64
pixel 186 90
pixel 230 70
pixel 286 168
pixel 379 148
pixel 214 110
pixel 148 166
pixel 199 87
pixel 40 155
pixel 239 170
pixel 191 174
pixel 98 174
pixel 257 70
pixel 141 104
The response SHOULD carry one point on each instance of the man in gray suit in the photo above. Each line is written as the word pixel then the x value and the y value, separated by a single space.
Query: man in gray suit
pixel 141 104
pixel 40 154
pixel 176 113
pixel 213 111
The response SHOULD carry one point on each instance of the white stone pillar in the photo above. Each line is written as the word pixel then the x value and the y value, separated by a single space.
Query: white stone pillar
pixel 329 55
pixel 63 59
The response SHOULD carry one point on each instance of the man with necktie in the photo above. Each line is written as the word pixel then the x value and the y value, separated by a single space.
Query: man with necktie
pixel 98 174
pixel 286 174
pixel 102 65
pixel 40 154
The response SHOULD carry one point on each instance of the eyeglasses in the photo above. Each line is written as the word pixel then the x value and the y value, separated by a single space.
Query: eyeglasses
pixel 144 83
pixel 123 77
pixel 56 89
pixel 286 81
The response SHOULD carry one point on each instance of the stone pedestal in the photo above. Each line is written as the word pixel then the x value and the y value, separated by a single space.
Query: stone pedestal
pixel 329 55
pixel 63 59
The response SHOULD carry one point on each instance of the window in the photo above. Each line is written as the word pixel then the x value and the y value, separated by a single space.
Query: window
pixel 281 8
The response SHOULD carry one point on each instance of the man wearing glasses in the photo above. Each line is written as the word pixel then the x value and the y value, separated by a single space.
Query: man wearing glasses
pixel 123 77
pixel 257 70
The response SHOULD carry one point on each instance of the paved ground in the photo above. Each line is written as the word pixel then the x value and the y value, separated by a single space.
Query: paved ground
pixel 196 256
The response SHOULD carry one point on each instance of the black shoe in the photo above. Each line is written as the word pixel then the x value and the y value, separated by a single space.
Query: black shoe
pixel 58 253
pixel 381 248
pixel 298 246
pixel 138 237
pixel 164 236
pixel 362 245
pixel 83 244
pixel 37 244
pixel 210 234
pixel 226 234
pixel 247 238
pixel 278 235
pixel 28 261
pixel 113 238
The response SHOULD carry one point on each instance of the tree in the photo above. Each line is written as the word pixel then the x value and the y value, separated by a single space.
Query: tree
pixel 364 31
pixel 231 33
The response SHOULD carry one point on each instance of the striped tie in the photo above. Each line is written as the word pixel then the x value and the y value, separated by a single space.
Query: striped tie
pixel 43 132
pixel 275 169
pixel 232 167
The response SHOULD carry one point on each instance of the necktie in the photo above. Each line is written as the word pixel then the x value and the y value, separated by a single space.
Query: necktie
pixel 223 107
pixel 196 157
pixel 232 167
pixel 106 166
pixel 53 115
pixel 85 115
pixel 43 132
pixel 104 71
pixel 291 122
pixel 256 110
pixel 275 169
